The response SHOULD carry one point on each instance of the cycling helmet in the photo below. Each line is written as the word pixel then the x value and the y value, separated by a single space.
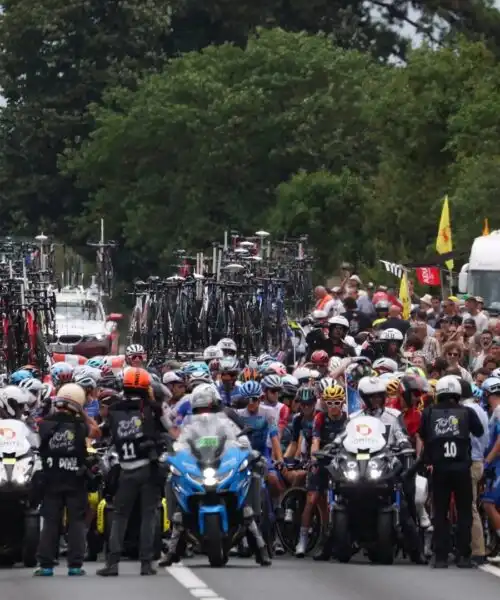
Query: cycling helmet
pixel 306 395
pixel 174 377
pixel 264 358
pixel 229 365
pixel 357 371
pixel 108 396
pixel 340 321
pixel 20 375
pixel 416 371
pixel 212 352
pixel 495 373
pixel 110 381
pixel 411 386
pixel 448 387
pixel 392 387
pixel 272 382
pixel 136 379
pixel 319 315
pixel 325 383
pixel 386 365
pixel 391 335
pixel 196 367
pixel 249 374
pixel 86 377
pixel 276 368
pixel 319 358
pixel 47 392
pixel 334 363
pixel 491 386
pixel 197 379
pixel 336 392
pixel 135 350
pixel 34 387
pixel 61 372
pixel 249 390
pixel 227 345
pixel 381 305
pixel 477 392
pixel 96 362
pixel 290 385
pixel 13 401
pixel 35 371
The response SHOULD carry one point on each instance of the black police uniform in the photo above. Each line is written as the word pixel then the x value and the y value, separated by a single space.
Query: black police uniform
pixel 63 452
pixel 132 428
pixel 445 429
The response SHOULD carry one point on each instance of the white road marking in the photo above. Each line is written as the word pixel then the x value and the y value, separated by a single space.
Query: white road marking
pixel 491 569
pixel 195 586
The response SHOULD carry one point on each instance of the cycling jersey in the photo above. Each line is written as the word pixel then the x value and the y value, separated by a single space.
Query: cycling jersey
pixel 263 426
pixel 228 397
pixel 326 429
pixel 301 425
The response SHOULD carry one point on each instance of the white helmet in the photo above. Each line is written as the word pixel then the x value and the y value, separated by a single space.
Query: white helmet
pixel 204 396
pixel 227 345
pixel 448 385
pixel 368 386
pixel 495 373
pixel 212 352
pixel 339 320
pixel 86 377
pixel 302 374
pixel 13 400
pixel 326 382
pixel 385 364
pixel 34 387
pixel 319 315
pixel 334 363
pixel 134 349
pixel 391 335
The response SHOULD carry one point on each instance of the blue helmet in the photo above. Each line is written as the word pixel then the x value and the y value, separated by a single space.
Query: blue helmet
pixel 250 389
pixel 491 386
pixel 20 375
pixel 196 367
pixel 477 392
pixel 96 362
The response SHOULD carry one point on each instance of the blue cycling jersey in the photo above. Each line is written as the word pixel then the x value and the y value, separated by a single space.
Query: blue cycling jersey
pixel 262 424
pixel 228 397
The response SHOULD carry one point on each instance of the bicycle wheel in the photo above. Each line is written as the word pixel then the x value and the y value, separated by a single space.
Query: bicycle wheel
pixel 293 504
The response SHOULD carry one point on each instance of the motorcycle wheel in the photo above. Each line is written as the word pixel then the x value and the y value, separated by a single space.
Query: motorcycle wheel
pixel 214 541
pixel 384 552
pixel 342 542
pixel 30 540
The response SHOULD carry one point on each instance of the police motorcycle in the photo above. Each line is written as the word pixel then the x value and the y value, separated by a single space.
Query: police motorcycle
pixel 364 492
pixel 20 480
pixel 210 479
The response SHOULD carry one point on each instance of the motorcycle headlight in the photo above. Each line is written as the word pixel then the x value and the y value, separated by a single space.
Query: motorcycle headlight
pixel 350 470
pixel 22 471
pixel 375 469
pixel 209 477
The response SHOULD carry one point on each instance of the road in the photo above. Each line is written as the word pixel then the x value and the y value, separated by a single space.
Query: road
pixel 288 578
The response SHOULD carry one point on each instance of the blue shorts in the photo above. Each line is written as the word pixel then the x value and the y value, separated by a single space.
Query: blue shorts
pixel 492 493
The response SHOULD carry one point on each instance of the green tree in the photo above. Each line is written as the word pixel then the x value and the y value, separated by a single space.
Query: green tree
pixel 56 57
pixel 204 145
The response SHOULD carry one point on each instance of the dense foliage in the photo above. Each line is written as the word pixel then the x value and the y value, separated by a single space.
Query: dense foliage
pixel 139 111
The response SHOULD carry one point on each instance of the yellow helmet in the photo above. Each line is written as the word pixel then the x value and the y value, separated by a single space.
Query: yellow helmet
pixel 335 392
pixel 392 387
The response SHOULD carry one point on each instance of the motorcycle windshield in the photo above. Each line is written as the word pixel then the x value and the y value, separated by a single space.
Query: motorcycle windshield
pixel 208 437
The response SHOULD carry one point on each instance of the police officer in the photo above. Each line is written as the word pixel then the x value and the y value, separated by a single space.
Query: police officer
pixel 445 430
pixel 63 452
pixel 133 431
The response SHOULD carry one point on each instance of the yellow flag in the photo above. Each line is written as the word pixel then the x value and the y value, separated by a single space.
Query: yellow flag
pixel 443 242
pixel 404 296
pixel 486 227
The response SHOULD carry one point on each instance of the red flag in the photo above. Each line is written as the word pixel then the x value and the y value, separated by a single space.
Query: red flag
pixel 394 301
pixel 429 275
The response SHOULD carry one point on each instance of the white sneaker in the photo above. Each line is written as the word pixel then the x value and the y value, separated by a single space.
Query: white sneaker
pixel 300 549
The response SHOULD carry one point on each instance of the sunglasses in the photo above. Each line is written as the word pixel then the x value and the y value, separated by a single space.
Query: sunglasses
pixel 137 357
pixel 305 404
pixel 254 399
pixel 453 354
pixel 331 403
pixel 274 390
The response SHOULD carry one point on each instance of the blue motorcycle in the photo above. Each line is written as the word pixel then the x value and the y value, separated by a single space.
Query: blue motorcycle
pixel 211 481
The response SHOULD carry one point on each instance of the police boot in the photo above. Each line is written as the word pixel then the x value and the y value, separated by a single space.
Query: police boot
pixel 256 540
pixel 147 568
pixel 110 570
pixel 173 554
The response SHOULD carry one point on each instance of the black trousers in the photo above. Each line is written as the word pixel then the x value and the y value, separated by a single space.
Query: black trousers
pixel 55 499
pixel 142 482
pixel 444 483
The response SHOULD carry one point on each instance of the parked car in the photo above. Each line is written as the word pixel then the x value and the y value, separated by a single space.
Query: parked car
pixel 82 326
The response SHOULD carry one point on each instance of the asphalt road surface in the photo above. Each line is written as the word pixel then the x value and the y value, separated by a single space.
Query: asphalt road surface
pixel 288 578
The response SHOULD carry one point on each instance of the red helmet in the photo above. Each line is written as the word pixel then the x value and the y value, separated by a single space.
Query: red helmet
pixel 378 296
pixel 320 358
